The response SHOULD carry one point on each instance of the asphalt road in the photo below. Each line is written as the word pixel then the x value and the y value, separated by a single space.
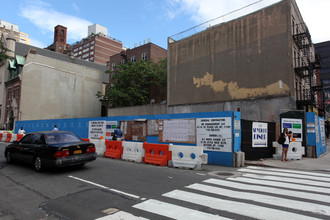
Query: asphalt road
pixel 108 189
pixel 84 193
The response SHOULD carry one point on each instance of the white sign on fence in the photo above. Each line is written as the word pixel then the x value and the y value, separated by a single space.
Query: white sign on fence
pixel 214 134
pixel 101 128
pixel 259 134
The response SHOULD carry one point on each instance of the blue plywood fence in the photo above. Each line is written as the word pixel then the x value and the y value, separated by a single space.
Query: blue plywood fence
pixel 80 126
pixel 316 135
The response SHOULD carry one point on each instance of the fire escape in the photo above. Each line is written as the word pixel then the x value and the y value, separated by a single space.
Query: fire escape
pixel 309 92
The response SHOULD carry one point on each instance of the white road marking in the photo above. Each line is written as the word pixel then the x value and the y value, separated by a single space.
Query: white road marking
pixel 297 185
pixel 264 189
pixel 120 216
pixel 105 187
pixel 265 199
pixel 290 175
pixel 174 211
pixel 291 171
pixel 288 180
pixel 244 209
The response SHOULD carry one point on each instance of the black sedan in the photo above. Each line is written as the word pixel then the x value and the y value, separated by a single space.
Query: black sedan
pixel 51 149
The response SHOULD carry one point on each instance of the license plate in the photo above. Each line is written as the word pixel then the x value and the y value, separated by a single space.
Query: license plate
pixel 77 152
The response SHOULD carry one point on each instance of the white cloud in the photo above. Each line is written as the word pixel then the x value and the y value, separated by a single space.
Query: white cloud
pixel 37 43
pixel 75 7
pixel 316 15
pixel 43 16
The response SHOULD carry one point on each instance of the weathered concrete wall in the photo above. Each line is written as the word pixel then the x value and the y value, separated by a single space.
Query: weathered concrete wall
pixel 138 110
pixel 54 89
pixel 246 58
pixel 258 109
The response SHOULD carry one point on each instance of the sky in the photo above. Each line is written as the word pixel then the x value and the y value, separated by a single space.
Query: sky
pixel 134 22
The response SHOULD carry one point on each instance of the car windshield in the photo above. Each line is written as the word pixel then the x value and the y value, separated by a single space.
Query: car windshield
pixel 61 138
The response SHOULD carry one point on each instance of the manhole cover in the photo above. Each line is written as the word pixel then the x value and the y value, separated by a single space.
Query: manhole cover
pixel 224 174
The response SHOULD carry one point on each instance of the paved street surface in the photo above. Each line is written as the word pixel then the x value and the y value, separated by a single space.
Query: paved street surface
pixel 115 189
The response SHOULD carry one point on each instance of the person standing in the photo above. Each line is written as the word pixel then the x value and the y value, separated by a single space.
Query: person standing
pixel 21 131
pixel 117 134
pixel 285 145
pixel 55 128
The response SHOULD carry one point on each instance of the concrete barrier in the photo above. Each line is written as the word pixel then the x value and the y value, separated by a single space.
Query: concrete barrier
pixel 239 159
pixel 4 137
pixel 133 151
pixel 295 151
pixel 191 157
pixel 99 146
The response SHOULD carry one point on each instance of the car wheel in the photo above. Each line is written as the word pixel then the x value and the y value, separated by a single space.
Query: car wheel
pixel 38 166
pixel 9 159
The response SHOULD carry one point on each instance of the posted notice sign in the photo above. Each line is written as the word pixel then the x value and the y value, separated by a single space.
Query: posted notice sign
pixel 101 128
pixel 259 134
pixel 295 126
pixel 214 134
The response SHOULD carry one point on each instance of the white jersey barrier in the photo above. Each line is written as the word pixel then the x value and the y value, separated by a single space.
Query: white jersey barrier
pixel 295 151
pixel 188 156
pixel 99 146
pixel 13 138
pixel 132 151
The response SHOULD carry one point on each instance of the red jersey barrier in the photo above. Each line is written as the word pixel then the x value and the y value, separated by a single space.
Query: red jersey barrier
pixel 114 149
pixel 8 137
pixel 1 134
pixel 157 154
pixel 19 137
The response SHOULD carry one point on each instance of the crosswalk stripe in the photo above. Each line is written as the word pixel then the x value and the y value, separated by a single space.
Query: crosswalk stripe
pixel 264 189
pixel 269 182
pixel 121 215
pixel 174 211
pixel 291 171
pixel 286 179
pixel 253 211
pixel 265 199
pixel 286 175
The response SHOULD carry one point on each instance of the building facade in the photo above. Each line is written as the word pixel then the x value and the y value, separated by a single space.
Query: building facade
pixel 60 36
pixel 261 64
pixel 66 86
pixel 5 27
pixel 96 48
pixel 323 49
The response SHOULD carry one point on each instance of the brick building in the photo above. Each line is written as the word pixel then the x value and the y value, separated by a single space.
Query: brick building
pixel 60 36
pixel 147 51
pixel 97 47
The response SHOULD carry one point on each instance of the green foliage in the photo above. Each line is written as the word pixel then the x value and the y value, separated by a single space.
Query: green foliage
pixel 3 55
pixel 133 82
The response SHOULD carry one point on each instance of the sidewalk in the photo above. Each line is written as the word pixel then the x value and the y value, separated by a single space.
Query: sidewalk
pixel 312 164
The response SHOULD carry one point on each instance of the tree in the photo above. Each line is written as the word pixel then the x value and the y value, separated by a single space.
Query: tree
pixel 134 82
pixel 3 55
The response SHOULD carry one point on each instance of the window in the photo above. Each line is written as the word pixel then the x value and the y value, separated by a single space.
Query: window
pixel 92 47
pixel 133 59
pixel 92 52
pixel 123 61
pixel 113 66
pixel 144 56
pixel 16 91
pixel 85 50
pixel 9 94
pixel 85 55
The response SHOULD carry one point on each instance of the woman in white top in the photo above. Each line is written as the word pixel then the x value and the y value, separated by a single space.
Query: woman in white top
pixel 285 145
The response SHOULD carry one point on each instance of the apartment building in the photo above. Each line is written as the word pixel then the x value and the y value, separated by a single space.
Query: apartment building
pixel 21 37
